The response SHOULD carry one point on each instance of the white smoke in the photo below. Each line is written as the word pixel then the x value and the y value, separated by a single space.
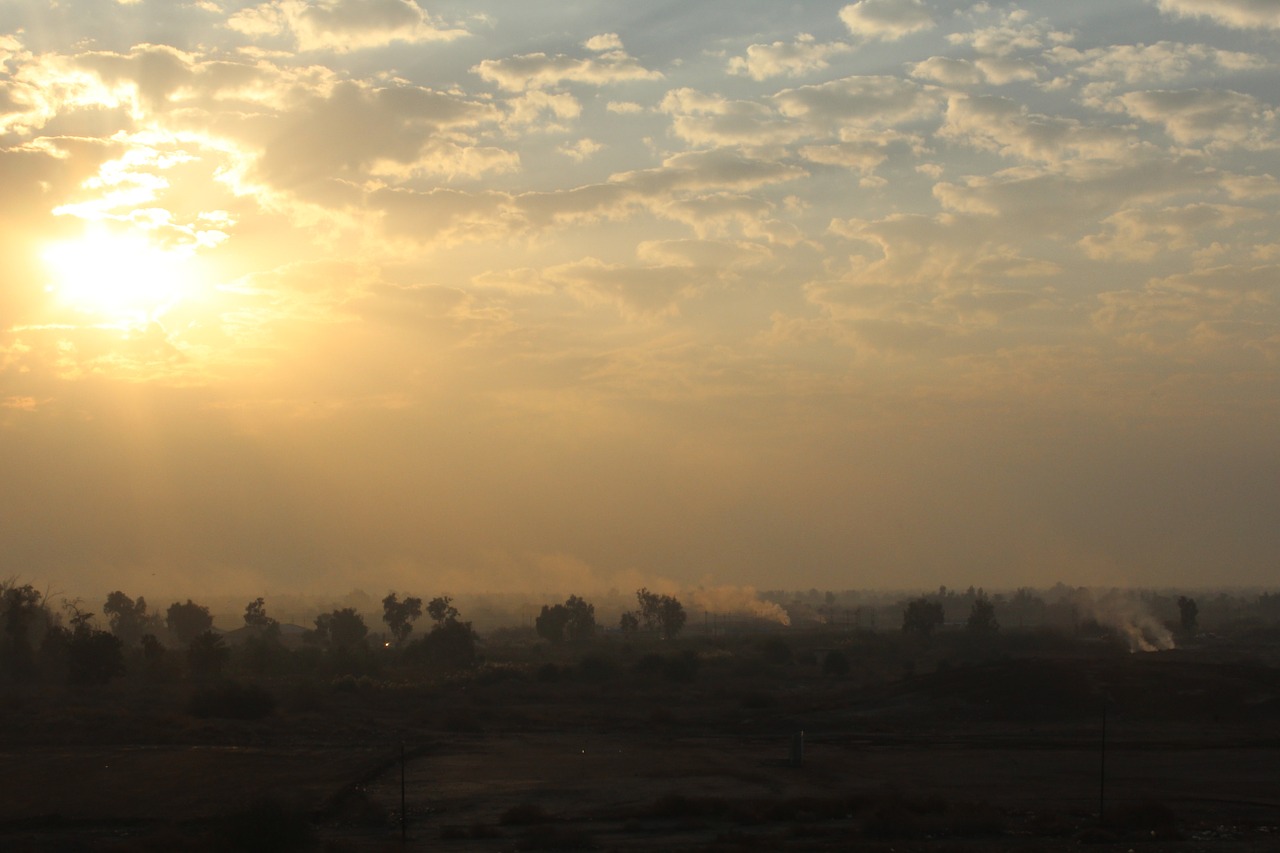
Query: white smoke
pixel 736 600
pixel 1132 619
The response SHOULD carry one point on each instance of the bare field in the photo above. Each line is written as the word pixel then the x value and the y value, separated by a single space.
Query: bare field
pixel 1003 754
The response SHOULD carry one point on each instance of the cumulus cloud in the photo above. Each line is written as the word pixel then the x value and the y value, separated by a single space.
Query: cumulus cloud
pixel 1219 118
pixel 1143 234
pixel 888 20
pixel 360 129
pixel 708 190
pixel 709 119
pixel 1162 61
pixel 1011 36
pixel 1218 311
pixel 801 56
pixel 1001 124
pixel 1242 14
pixel 861 151
pixel 636 291
pixel 949 71
pixel 580 149
pixel 860 101
pixel 611 64
pixel 342 25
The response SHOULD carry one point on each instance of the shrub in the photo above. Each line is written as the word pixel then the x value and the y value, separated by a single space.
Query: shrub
pixel 836 662
pixel 596 668
pixel 268 826
pixel 524 814
pixel 233 701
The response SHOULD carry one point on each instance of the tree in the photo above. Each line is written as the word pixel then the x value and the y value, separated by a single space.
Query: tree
pixel 451 643
pixel 574 620
pixel 127 618
pixel 1188 615
pixel 921 617
pixel 262 647
pixel 400 615
pixel 441 610
pixel 22 608
pixel 343 629
pixel 982 618
pixel 629 623
pixel 93 656
pixel 551 621
pixel 663 613
pixel 187 621
pixel 207 654
pixel 582 619
pixel 255 616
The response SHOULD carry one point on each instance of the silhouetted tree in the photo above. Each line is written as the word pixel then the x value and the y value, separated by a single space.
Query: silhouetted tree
pixel 263 649
pixel 441 609
pixel 451 643
pixel 22 609
pixel 551 621
pixel 400 615
pixel 342 629
pixel 1188 615
pixel 574 620
pixel 982 618
pixel 207 654
pixel 127 618
pixel 93 656
pixel 921 617
pixel 663 613
pixel 582 619
pixel 255 616
pixel 153 657
pixel 187 621
pixel 629 622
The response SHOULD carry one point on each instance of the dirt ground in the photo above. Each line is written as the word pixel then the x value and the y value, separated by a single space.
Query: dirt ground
pixel 1002 755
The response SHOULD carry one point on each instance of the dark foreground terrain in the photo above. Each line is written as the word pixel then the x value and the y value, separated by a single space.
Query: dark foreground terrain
pixel 694 744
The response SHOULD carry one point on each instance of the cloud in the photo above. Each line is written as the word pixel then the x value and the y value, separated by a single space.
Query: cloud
pixel 792 59
pixel 1144 234
pixel 636 291
pixel 708 119
pixel 859 101
pixel 1162 61
pixel 341 26
pixel 887 20
pixel 1000 124
pixel 1220 118
pixel 1050 202
pixel 948 71
pixel 603 42
pixel 1241 14
pixel 611 65
pixel 861 151
pixel 1222 312
pixel 1010 36
pixel 705 190
pixel 359 130
pixel 962 72
pixel 580 149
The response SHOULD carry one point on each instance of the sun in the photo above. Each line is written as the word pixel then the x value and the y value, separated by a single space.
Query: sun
pixel 120 277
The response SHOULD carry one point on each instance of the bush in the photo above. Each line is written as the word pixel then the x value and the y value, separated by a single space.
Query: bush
pixel 682 668
pixel 233 701
pixel 835 663
pixel 596 668
pixel 524 814
pixel 268 826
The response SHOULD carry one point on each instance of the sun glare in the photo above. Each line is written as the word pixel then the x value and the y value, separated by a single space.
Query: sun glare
pixel 123 278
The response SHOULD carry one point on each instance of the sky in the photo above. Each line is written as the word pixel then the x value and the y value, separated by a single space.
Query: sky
pixel 457 296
